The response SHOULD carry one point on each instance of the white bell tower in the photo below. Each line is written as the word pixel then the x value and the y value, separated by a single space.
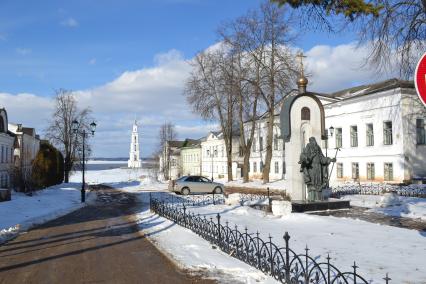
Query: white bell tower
pixel 134 160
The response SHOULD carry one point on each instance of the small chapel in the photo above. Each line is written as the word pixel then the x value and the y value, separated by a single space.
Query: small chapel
pixel 134 158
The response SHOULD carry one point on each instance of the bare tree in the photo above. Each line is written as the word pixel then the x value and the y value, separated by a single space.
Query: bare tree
pixel 274 64
pixel 394 31
pixel 239 36
pixel 209 93
pixel 60 132
pixel 166 134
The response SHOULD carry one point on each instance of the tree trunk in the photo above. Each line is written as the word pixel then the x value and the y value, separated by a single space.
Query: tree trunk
pixel 67 169
pixel 229 159
pixel 269 140
pixel 246 166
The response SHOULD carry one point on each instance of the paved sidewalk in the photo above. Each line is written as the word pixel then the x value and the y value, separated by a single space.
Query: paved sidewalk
pixel 99 243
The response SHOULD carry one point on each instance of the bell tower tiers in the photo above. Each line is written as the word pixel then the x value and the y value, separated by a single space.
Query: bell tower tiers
pixel 134 160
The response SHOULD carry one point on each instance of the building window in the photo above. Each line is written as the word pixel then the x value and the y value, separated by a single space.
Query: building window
pixel 339 170
pixel 355 170
pixel 254 167
pixel 387 132
pixel 370 171
pixel 240 151
pixel 275 143
pixel 261 166
pixel 338 137
pixel 354 136
pixel 420 131
pixel 370 134
pixel 306 113
pixel 277 168
pixel 388 174
pixel 261 144
pixel 254 145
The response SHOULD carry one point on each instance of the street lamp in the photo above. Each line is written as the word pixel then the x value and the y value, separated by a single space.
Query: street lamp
pixel 84 134
pixel 328 133
pixel 212 154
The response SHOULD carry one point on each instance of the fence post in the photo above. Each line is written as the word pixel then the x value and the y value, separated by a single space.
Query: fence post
pixel 184 215
pixel 306 265
pixel 269 199
pixel 354 267
pixel 287 257
pixel 218 228
pixel 387 279
pixel 271 258
pixel 328 268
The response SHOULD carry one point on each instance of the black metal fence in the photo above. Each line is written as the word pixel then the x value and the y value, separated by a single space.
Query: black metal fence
pixel 379 189
pixel 282 263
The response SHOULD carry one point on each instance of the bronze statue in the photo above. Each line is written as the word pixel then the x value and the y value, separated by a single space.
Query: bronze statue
pixel 314 166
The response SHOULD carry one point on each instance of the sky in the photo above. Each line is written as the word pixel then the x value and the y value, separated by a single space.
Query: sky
pixel 128 60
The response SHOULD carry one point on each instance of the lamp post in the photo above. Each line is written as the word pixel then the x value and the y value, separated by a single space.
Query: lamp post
pixel 84 134
pixel 328 133
pixel 212 154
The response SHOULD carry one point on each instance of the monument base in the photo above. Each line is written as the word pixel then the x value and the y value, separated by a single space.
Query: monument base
pixel 303 206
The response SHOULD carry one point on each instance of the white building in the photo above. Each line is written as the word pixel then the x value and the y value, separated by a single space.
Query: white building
pixel 380 129
pixel 6 147
pixel 26 147
pixel 214 159
pixel 191 157
pixel 170 160
pixel 134 158
pixel 258 150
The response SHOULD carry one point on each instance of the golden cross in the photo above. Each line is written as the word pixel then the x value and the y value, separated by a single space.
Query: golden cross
pixel 301 56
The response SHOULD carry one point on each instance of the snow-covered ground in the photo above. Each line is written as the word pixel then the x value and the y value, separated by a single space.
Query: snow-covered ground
pixel 377 249
pixel 410 207
pixel 23 212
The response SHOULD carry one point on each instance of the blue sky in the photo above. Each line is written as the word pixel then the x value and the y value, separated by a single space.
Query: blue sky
pixel 94 46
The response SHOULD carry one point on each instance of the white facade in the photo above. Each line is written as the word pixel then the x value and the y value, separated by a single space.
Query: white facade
pixel 214 159
pixel 26 147
pixel 6 148
pixel 191 159
pixel 377 135
pixel 258 150
pixel 170 160
pixel 134 159
pixel 392 102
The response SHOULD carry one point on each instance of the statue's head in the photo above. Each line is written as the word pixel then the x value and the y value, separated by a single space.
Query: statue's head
pixel 312 140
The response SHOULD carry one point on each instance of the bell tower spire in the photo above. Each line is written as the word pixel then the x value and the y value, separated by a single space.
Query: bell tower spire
pixel 134 158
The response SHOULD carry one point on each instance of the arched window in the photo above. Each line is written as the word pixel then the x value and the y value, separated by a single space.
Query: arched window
pixel 2 128
pixel 306 113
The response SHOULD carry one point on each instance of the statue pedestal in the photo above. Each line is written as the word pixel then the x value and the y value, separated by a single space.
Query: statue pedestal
pixel 304 206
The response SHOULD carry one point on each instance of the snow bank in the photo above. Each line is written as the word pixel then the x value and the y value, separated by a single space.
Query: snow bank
pixel 24 212
pixel 410 207
pixel 376 248
pixel 189 251
pixel 281 207
pixel 389 199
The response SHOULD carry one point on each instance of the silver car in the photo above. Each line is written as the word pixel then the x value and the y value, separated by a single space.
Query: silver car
pixel 195 184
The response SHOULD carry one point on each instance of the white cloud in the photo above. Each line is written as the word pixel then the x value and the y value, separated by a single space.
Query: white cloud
pixel 335 68
pixel 23 51
pixel 70 22
pixel 155 94
pixel 92 61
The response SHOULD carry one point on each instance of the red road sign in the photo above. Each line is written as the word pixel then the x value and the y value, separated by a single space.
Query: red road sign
pixel 420 79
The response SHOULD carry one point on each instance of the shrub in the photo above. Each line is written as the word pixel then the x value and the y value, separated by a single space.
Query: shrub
pixel 48 166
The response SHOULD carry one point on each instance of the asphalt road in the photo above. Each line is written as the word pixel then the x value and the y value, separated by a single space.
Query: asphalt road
pixel 99 243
